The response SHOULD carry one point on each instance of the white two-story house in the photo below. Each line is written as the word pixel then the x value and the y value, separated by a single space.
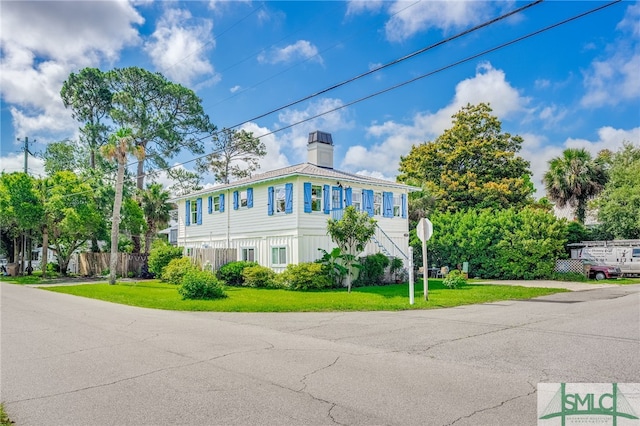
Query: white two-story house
pixel 280 217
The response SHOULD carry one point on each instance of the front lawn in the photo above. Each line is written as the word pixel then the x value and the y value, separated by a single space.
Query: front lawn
pixel 157 295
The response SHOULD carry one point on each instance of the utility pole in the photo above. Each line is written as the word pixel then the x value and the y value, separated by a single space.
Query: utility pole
pixel 24 237
pixel 26 153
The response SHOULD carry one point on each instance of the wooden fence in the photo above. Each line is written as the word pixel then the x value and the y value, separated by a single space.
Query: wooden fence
pixel 92 264
pixel 211 258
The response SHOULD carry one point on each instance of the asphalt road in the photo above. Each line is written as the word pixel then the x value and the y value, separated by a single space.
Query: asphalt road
pixel 66 360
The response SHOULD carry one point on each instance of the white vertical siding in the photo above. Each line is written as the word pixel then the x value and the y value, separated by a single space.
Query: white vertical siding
pixel 302 233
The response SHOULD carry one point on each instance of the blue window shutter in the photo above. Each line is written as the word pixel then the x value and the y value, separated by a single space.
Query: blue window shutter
pixel 387 204
pixel 249 198
pixel 326 199
pixel 307 197
pixel 348 197
pixel 270 201
pixel 199 211
pixel 187 219
pixel 236 200
pixel 221 202
pixel 403 207
pixel 210 204
pixel 367 200
pixel 288 198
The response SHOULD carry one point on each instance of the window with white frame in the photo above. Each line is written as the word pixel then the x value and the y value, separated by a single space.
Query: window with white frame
pixel 243 198
pixel 280 199
pixel 316 198
pixel 194 212
pixel 377 203
pixel 216 203
pixel 397 202
pixel 356 199
pixel 249 254
pixel 278 255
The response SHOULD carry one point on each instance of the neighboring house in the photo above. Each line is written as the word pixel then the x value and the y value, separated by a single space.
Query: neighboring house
pixel 280 217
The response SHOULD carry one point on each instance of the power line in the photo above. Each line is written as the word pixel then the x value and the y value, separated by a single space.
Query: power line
pixel 420 77
pixel 428 74
pixel 376 69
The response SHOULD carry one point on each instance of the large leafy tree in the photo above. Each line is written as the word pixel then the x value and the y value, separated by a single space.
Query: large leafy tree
pixel 120 145
pixel 156 210
pixel 351 233
pixel 89 97
pixel 71 214
pixel 21 210
pixel 62 156
pixel 471 165
pixel 164 117
pixel 573 179
pixel 619 203
pixel 235 155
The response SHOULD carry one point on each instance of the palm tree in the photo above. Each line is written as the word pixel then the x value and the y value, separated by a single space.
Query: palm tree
pixel 119 146
pixel 573 179
pixel 156 210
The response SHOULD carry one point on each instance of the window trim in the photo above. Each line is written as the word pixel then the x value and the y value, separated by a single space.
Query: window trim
pixel 246 250
pixel 279 248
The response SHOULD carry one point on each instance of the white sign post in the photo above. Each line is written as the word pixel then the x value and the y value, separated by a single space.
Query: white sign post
pixel 424 231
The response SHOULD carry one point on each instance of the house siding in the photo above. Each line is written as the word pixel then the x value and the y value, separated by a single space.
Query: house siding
pixel 302 233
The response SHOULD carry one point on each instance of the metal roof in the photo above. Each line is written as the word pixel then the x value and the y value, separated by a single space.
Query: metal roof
pixel 304 169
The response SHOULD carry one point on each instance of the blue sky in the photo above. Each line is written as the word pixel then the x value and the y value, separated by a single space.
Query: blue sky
pixel 576 85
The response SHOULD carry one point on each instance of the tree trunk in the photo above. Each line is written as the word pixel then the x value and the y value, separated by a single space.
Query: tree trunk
pixel 140 181
pixel 115 221
pixel 45 250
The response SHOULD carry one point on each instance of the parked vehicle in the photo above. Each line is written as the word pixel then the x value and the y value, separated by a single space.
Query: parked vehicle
pixel 601 272
pixel 621 254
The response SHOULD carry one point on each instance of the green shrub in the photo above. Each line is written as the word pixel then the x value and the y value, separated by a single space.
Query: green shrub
pixel 258 276
pixel 503 244
pixel 454 279
pixel 304 276
pixel 570 276
pixel 161 254
pixel 201 285
pixel 231 273
pixel 176 270
pixel 372 271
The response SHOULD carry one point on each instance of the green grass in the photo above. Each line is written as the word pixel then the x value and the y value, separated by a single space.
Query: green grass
pixel 157 295
pixel 4 418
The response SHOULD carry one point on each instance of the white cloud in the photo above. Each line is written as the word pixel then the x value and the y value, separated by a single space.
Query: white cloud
pixel 297 137
pixel 43 42
pixel 179 50
pixel 489 85
pixel 539 152
pixel 614 79
pixel 274 159
pixel 235 88
pixel 15 163
pixel 408 19
pixel 355 7
pixel 300 50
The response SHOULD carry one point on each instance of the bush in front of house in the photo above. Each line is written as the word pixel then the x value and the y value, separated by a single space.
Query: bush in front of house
pixel 201 285
pixel 176 270
pixel 304 276
pixel 372 271
pixel 231 273
pixel 454 279
pixel 160 255
pixel 259 277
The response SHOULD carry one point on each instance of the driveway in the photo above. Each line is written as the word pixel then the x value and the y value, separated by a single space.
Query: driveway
pixel 67 360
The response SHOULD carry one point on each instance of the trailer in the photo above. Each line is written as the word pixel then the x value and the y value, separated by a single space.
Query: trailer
pixel 623 254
